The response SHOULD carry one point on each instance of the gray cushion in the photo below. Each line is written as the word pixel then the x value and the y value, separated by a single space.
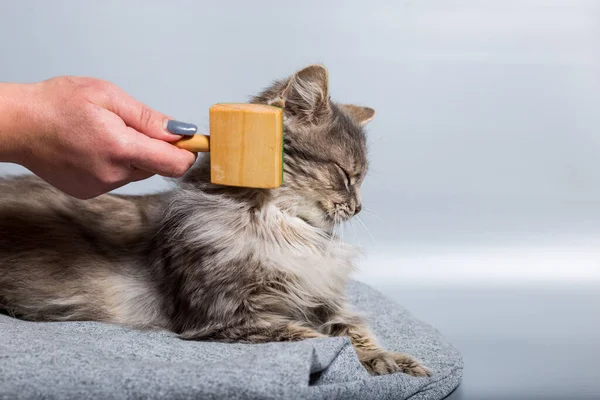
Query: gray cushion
pixel 82 360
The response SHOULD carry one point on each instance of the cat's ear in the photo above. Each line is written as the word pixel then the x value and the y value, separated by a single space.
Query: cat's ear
pixel 306 95
pixel 362 115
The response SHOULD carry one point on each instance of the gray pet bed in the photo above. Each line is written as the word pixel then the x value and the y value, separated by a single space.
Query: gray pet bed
pixel 83 360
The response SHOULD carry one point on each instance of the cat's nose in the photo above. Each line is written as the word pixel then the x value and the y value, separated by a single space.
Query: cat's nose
pixel 357 208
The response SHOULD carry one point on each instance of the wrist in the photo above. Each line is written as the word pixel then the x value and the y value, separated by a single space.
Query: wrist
pixel 18 114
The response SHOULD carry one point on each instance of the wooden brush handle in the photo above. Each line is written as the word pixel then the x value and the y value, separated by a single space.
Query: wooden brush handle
pixel 195 143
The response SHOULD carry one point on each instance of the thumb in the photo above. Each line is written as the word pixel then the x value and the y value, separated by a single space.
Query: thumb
pixel 144 119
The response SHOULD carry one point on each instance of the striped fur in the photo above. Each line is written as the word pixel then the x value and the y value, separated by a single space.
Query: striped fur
pixel 205 261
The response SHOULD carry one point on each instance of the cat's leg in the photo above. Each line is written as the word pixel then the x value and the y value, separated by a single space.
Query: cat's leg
pixel 287 332
pixel 257 332
pixel 372 356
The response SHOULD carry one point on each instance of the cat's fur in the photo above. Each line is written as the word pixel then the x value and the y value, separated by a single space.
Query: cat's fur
pixel 207 262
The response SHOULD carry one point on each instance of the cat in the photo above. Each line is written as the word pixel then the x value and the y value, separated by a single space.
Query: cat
pixel 207 262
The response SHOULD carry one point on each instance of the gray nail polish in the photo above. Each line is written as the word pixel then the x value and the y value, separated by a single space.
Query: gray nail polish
pixel 181 128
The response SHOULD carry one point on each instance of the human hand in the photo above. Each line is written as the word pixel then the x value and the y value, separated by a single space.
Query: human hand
pixel 87 136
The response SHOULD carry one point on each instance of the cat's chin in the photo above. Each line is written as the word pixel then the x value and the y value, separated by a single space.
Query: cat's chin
pixel 323 223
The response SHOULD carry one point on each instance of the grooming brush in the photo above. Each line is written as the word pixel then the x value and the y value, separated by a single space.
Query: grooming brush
pixel 245 145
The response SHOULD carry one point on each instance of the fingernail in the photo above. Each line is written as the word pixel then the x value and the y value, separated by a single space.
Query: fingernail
pixel 181 128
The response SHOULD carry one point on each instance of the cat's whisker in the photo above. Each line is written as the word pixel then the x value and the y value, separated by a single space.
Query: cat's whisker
pixel 356 233
pixel 372 213
pixel 341 235
pixel 331 242
pixel 360 221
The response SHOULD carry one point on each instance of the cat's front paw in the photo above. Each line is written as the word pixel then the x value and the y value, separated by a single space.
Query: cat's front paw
pixel 409 365
pixel 383 363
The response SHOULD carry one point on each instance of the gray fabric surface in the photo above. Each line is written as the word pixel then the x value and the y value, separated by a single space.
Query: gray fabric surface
pixel 83 360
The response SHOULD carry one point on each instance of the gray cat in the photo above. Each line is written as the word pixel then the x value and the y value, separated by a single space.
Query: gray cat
pixel 204 261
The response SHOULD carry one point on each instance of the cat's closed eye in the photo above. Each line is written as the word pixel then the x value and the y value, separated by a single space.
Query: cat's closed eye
pixel 346 175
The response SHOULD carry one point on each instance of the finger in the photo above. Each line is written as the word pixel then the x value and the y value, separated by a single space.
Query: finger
pixel 140 175
pixel 144 119
pixel 158 157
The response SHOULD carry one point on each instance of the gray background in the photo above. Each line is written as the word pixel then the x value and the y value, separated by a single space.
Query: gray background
pixel 484 196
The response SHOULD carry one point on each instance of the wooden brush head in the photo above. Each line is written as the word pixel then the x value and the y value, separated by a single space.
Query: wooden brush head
pixel 245 144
